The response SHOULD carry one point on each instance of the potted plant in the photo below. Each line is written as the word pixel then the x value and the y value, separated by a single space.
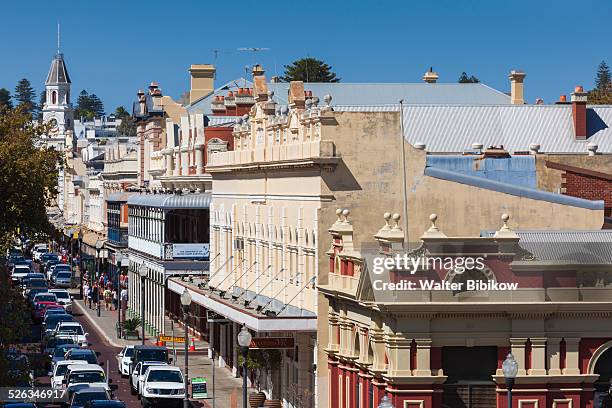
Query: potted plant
pixel 263 362
pixel 130 327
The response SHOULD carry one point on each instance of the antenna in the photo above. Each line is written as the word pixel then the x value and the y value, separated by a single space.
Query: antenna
pixel 58 37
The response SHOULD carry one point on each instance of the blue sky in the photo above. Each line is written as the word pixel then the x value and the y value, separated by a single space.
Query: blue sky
pixel 112 48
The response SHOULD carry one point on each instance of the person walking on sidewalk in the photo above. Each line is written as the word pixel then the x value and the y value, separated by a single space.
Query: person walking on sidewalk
pixel 124 300
pixel 95 294
pixel 85 291
pixel 89 295
pixel 115 299
pixel 108 297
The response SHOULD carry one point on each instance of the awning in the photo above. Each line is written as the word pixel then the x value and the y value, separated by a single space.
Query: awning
pixel 172 201
pixel 248 317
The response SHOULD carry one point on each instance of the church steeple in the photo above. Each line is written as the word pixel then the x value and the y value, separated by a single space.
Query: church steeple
pixel 58 74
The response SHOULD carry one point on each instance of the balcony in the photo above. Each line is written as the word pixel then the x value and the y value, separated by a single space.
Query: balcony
pixel 276 154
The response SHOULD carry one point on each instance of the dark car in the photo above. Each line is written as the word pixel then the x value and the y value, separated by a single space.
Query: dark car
pixel 88 394
pixel 149 353
pixel 33 292
pixel 105 404
pixel 51 321
pixel 82 354
pixel 20 405
pixel 53 342
pixel 60 351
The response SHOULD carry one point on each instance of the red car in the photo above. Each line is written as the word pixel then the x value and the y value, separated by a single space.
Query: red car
pixel 41 307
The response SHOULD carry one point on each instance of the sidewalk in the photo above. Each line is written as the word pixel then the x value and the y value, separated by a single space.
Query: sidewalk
pixel 199 363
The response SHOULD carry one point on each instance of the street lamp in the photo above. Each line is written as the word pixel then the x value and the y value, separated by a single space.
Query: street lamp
pixel 99 245
pixel 510 369
pixel 81 263
pixel 186 302
pixel 385 402
pixel 118 260
pixel 244 340
pixel 142 271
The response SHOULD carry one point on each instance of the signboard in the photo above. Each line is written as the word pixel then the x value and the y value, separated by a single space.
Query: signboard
pixel 186 251
pixel 272 343
pixel 198 388
pixel 168 339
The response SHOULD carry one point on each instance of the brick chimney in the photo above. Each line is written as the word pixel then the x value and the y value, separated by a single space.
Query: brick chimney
pixel 516 87
pixel 579 101
pixel 202 81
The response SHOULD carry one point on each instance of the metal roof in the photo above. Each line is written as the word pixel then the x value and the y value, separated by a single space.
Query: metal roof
pixel 221 121
pixel 171 201
pixel 586 246
pixel 512 189
pixel 446 128
pixel 58 74
pixel 121 196
pixel 371 94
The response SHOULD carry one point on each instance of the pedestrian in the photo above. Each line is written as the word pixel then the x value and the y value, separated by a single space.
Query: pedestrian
pixel 124 300
pixel 108 297
pixel 115 300
pixel 89 295
pixel 85 290
pixel 95 294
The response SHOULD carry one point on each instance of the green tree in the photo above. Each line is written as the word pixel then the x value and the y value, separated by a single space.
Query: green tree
pixel 97 107
pixel 41 104
pixel 127 126
pixel 467 79
pixel 28 177
pixel 5 98
pixel 24 95
pixel 602 93
pixel 309 70
pixel 88 106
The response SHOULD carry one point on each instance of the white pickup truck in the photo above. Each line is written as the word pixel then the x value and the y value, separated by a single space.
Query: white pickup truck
pixel 163 386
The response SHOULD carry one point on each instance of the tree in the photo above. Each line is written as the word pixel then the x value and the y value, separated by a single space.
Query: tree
pixel 465 79
pixel 97 107
pixel 88 106
pixel 28 177
pixel 309 70
pixel 127 126
pixel 602 93
pixel 5 98
pixel 41 104
pixel 24 95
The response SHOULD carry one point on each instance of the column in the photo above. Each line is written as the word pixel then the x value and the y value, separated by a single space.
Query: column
pixel 211 339
pixel 554 356
pixel 538 356
pixel 423 358
pixel 199 148
pixel 236 347
pixel 398 350
pixel 571 356
pixel 517 347
pixel 222 345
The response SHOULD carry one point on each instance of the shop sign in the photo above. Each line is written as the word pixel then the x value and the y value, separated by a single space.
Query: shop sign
pixel 170 339
pixel 272 343
pixel 198 388
pixel 190 251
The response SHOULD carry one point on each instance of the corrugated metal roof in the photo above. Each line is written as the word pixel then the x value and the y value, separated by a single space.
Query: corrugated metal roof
pixel 587 246
pixel 447 128
pixel 121 196
pixel 221 121
pixel 171 201
pixel 512 189
pixel 376 96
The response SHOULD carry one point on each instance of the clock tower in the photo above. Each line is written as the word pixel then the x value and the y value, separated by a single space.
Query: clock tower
pixel 57 109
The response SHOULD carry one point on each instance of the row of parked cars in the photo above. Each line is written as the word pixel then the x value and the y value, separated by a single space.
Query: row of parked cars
pixel 73 365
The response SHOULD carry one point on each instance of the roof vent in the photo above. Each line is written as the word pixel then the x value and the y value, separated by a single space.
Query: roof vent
pixel 430 76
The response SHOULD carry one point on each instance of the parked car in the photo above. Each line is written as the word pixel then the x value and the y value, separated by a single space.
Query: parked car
pixel 124 359
pixel 19 272
pixel 59 352
pixel 90 375
pixel 138 374
pixel 43 297
pixel 48 257
pixel 54 309
pixel 38 251
pixel 149 353
pixel 50 323
pixel 63 279
pixel 38 313
pixel 63 298
pixel 57 269
pixel 73 329
pixel 105 404
pixel 32 294
pixel 163 386
pixel 55 341
pixel 58 370
pixel 82 397
pixel 30 283
pixel 82 354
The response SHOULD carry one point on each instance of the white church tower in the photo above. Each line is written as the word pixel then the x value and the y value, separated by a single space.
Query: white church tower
pixel 57 109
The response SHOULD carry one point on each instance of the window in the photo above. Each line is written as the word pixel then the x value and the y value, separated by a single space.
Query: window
pixel 53 98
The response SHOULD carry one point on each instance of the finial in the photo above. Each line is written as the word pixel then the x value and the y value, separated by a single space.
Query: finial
pixel 387 217
pixel 339 214
pixel 58 37
pixel 396 217
pixel 346 213
pixel 327 99
pixel 433 218
pixel 315 101
pixel 270 95
pixel 308 103
pixel 505 218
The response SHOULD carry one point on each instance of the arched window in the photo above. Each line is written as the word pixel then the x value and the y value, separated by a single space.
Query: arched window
pixel 53 98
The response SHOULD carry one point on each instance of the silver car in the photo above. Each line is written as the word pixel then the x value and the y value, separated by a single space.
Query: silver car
pixel 63 279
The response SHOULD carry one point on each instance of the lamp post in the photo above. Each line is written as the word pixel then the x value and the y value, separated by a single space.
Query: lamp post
pixel 118 260
pixel 244 340
pixel 510 369
pixel 186 302
pixel 142 271
pixel 81 262
pixel 99 245
pixel 385 402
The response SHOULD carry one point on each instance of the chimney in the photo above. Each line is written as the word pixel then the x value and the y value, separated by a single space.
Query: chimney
pixel 202 81
pixel 257 70
pixel 579 101
pixel 516 87
pixel 430 76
